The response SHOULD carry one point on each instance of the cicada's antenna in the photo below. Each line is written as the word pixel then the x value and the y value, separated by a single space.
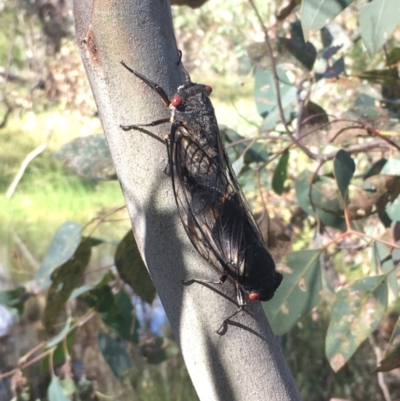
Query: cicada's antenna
pixel 187 76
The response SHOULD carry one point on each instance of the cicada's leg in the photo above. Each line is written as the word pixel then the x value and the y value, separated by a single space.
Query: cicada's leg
pixel 170 144
pixel 221 280
pixel 155 87
pixel 241 301
pixel 152 124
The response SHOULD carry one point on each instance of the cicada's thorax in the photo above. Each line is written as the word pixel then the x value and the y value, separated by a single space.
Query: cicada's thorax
pixel 196 113
pixel 193 114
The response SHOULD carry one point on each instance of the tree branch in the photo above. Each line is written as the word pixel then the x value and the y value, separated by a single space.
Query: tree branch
pixel 245 363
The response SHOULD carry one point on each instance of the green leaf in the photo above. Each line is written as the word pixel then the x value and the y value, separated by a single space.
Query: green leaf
pixel 298 292
pixel 60 336
pixel 315 14
pixel 132 270
pixel 304 52
pixel 375 169
pixel 356 313
pixel 62 247
pixel 109 276
pixel 65 279
pixel 88 157
pixel 392 209
pixel 79 291
pixel 100 298
pixel 391 359
pixel 325 199
pixel 384 261
pixel 378 20
pixel 114 354
pixel 393 56
pixel 391 167
pixel 280 173
pixel 59 355
pixel 13 300
pixel 119 317
pixel 344 168
pixel 68 386
pixel 267 100
pixel 55 391
pixel 258 152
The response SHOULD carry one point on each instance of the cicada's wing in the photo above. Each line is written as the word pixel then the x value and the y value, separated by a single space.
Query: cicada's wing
pixel 206 202
pixel 258 276
pixel 241 199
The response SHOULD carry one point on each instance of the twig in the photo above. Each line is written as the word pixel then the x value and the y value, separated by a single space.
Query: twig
pixel 381 380
pixel 25 251
pixel 36 152
pixel 277 88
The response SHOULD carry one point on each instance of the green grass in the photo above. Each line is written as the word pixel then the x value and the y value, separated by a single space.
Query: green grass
pixel 48 194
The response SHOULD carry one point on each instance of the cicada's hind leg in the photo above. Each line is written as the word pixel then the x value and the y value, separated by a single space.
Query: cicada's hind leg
pixel 221 280
pixel 241 302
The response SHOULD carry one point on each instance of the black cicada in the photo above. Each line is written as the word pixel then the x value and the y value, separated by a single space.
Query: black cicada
pixel 211 205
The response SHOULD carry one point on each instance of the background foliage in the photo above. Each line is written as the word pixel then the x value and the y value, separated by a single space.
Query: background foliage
pixel 315 146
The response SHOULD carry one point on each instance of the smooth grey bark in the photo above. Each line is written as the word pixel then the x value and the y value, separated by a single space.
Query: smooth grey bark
pixel 246 363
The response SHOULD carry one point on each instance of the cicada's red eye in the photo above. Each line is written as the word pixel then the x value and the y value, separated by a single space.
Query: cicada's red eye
pixel 176 101
pixel 208 89
pixel 254 296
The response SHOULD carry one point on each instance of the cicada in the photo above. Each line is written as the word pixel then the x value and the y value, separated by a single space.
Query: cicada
pixel 210 202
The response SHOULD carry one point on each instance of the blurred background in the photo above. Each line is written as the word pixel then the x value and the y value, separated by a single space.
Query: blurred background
pixel 59 198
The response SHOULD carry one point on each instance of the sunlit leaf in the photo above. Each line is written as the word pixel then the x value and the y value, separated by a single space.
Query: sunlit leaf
pixel 68 385
pixel 299 291
pixel 378 19
pixel 344 168
pixel 55 391
pixel 315 14
pixel 356 313
pixel 64 243
pixel 64 280
pixel 267 100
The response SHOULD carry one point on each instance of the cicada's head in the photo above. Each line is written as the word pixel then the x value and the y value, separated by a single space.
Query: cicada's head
pixel 190 95
pixel 261 280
